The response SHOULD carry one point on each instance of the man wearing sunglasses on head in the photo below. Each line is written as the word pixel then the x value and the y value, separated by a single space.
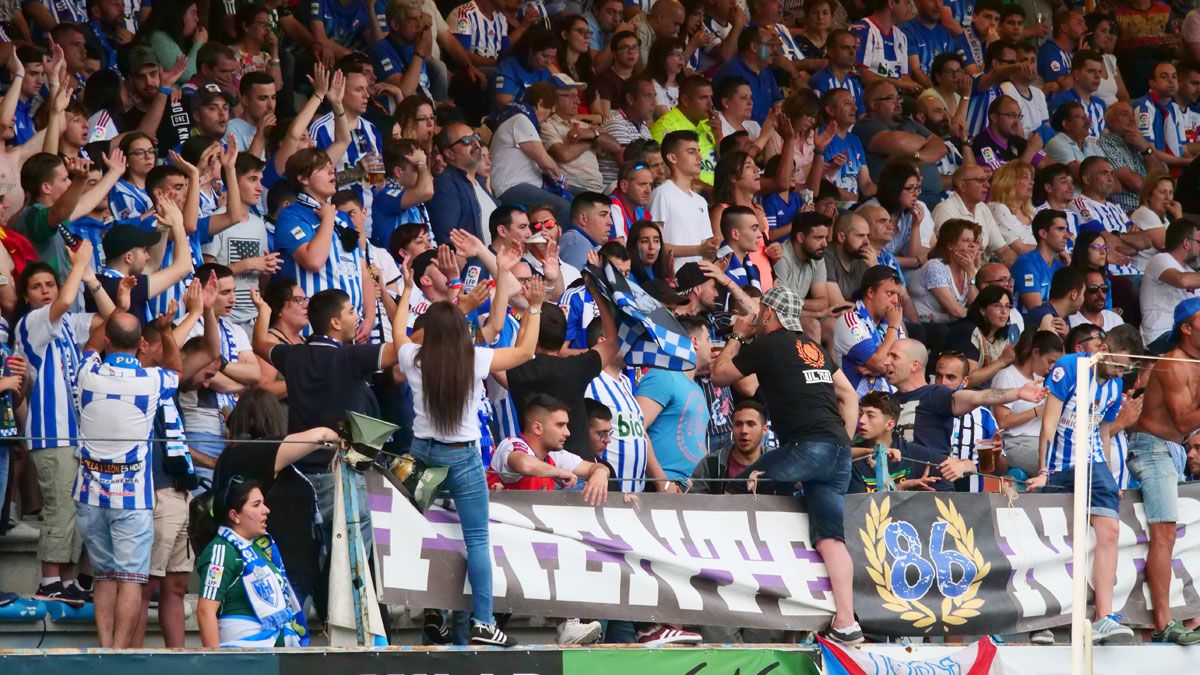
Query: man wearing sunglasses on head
pixel 460 199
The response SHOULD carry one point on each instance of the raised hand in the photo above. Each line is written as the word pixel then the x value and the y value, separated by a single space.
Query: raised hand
pixel 168 78
pixel 77 167
pixel 193 298
pixel 337 88
pixel 319 80
pixel 475 299
pixel 125 292
pixel 184 165
pixel 164 321
pixel 466 243
pixel 259 304
pixel 167 212
pixel 82 255
pixel 507 258
pixel 115 161
pixel 447 264
pixel 210 290
pixel 535 292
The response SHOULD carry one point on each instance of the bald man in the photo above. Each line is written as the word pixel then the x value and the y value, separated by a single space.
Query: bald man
pixel 664 20
pixel 969 202
pixel 927 411
pixel 1125 148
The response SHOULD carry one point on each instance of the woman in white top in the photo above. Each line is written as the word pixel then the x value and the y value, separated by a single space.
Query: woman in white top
pixel 1011 202
pixel 664 67
pixel 944 287
pixel 947 74
pixel 1102 37
pixel 446 372
pixel 1158 208
pixel 517 147
pixel 735 102
pixel 1021 421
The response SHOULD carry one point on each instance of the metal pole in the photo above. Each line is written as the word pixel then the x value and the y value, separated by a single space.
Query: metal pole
pixel 1081 627
pixel 881 467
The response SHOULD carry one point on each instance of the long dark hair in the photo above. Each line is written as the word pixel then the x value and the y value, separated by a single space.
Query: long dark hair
pixel 277 294
pixel 167 17
pixel 891 183
pixel 1079 255
pixel 656 60
pixel 583 65
pixel 977 312
pixel 729 169
pixel 637 266
pixel 258 415
pixel 1044 341
pixel 447 362
pixel 103 92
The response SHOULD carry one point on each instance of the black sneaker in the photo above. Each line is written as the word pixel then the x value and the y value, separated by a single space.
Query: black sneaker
pixel 74 596
pixel 55 592
pixel 490 634
pixel 849 636
pixel 436 627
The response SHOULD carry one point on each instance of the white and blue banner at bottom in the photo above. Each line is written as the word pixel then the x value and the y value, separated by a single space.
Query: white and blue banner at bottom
pixel 926 564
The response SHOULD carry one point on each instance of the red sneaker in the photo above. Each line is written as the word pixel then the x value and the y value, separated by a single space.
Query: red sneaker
pixel 659 635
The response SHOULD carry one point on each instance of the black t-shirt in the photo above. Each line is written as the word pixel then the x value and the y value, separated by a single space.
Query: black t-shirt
pixel 564 378
pixel 138 298
pixel 795 375
pixel 324 381
pixel 927 418
pixel 174 129
pixel 289 496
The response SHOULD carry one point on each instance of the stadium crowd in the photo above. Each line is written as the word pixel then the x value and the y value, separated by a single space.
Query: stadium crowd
pixel 878 222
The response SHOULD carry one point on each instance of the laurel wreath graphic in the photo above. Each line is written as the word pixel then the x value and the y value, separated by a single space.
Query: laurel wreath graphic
pixel 953 611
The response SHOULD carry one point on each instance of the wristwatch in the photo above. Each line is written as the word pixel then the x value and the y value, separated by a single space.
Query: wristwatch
pixel 534 311
pixel 5 280
pixel 1148 151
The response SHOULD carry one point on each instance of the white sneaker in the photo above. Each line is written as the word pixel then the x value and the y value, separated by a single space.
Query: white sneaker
pixel 1110 631
pixel 575 632
pixel 1042 637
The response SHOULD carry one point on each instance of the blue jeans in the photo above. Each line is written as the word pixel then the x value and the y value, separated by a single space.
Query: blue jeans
pixel 211 445
pixel 468 486
pixel 118 540
pixel 528 196
pixel 1151 463
pixel 824 470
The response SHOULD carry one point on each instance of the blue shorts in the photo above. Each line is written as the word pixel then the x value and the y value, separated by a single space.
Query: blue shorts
pixel 1103 488
pixel 1151 462
pixel 824 471
pixel 119 541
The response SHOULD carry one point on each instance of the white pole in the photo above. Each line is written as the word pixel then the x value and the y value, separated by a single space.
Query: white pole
pixel 1081 633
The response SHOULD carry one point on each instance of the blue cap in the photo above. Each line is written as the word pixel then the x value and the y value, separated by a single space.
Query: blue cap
pixel 1185 310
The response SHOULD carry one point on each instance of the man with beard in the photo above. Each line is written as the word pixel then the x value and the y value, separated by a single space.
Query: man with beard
pixel 1168 281
pixel 628 122
pixel 460 201
pixel 802 269
pixel 930 112
pixel 1095 298
pixel 885 132
pixel 1001 141
pixel 155 111
pixel 852 253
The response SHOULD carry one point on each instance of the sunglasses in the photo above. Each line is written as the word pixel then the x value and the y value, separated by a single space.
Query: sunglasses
pixel 233 480
pixel 469 139
pixel 1094 288
pixel 547 224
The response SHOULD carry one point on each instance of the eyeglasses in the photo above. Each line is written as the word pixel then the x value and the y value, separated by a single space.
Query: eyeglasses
pixel 583 31
pixel 1000 305
pixel 469 139
pixel 887 98
pixel 299 300
pixel 1011 116
pixel 1097 288
pixel 1094 336
pixel 605 435
pixel 629 48
pixel 1098 247
pixel 912 188
pixel 142 154
pixel 425 119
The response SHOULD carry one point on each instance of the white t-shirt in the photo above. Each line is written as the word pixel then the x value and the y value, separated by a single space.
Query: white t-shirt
pixel 486 206
pixel 1011 378
pixel 1145 219
pixel 247 239
pixel 1158 298
pixel 203 413
pixel 562 459
pixel 684 216
pixel 513 166
pixel 1110 318
pixel 666 96
pixel 1034 110
pixel 752 128
pixel 468 426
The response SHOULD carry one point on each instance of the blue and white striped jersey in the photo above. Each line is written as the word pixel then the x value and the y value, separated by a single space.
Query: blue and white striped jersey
pixel 1120 449
pixel 1094 107
pixel 579 307
pixel 1106 403
pixel 1112 217
pixel 977 106
pixel 196 240
pixel 504 409
pixel 969 429
pixel 118 398
pixel 52 351
pixel 477 33
pixel 131 15
pixel 364 140
pixel 66 11
pixel 627 447
pixel 128 202
pixel 297 225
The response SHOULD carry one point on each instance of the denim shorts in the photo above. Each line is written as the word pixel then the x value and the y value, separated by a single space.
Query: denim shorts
pixel 824 471
pixel 119 541
pixel 1103 489
pixel 1151 463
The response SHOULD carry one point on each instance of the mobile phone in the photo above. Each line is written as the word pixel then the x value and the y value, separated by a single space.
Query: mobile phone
pixel 1137 392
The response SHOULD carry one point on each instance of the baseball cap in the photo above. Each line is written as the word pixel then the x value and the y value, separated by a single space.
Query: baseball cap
pixel 689 276
pixel 1185 310
pixel 123 238
pixel 787 305
pixel 141 56
pixel 564 81
pixel 210 92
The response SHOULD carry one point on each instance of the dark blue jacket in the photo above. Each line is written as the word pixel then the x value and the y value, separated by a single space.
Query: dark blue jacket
pixel 454 205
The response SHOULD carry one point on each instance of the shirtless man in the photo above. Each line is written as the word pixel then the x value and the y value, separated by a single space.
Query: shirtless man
pixel 1168 415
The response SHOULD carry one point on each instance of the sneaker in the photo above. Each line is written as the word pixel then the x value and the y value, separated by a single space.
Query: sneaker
pixel 74 596
pixel 55 592
pixel 1110 631
pixel 1042 637
pixel 660 634
pixel 575 632
pixel 1176 633
pixel 849 636
pixel 436 627
pixel 490 634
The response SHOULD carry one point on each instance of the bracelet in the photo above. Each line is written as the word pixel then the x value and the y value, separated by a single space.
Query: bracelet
pixel 1043 472
pixel 17 76
pixel 166 90
pixel 738 338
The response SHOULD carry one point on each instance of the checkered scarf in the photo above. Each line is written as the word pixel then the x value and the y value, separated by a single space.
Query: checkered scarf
pixel 649 334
